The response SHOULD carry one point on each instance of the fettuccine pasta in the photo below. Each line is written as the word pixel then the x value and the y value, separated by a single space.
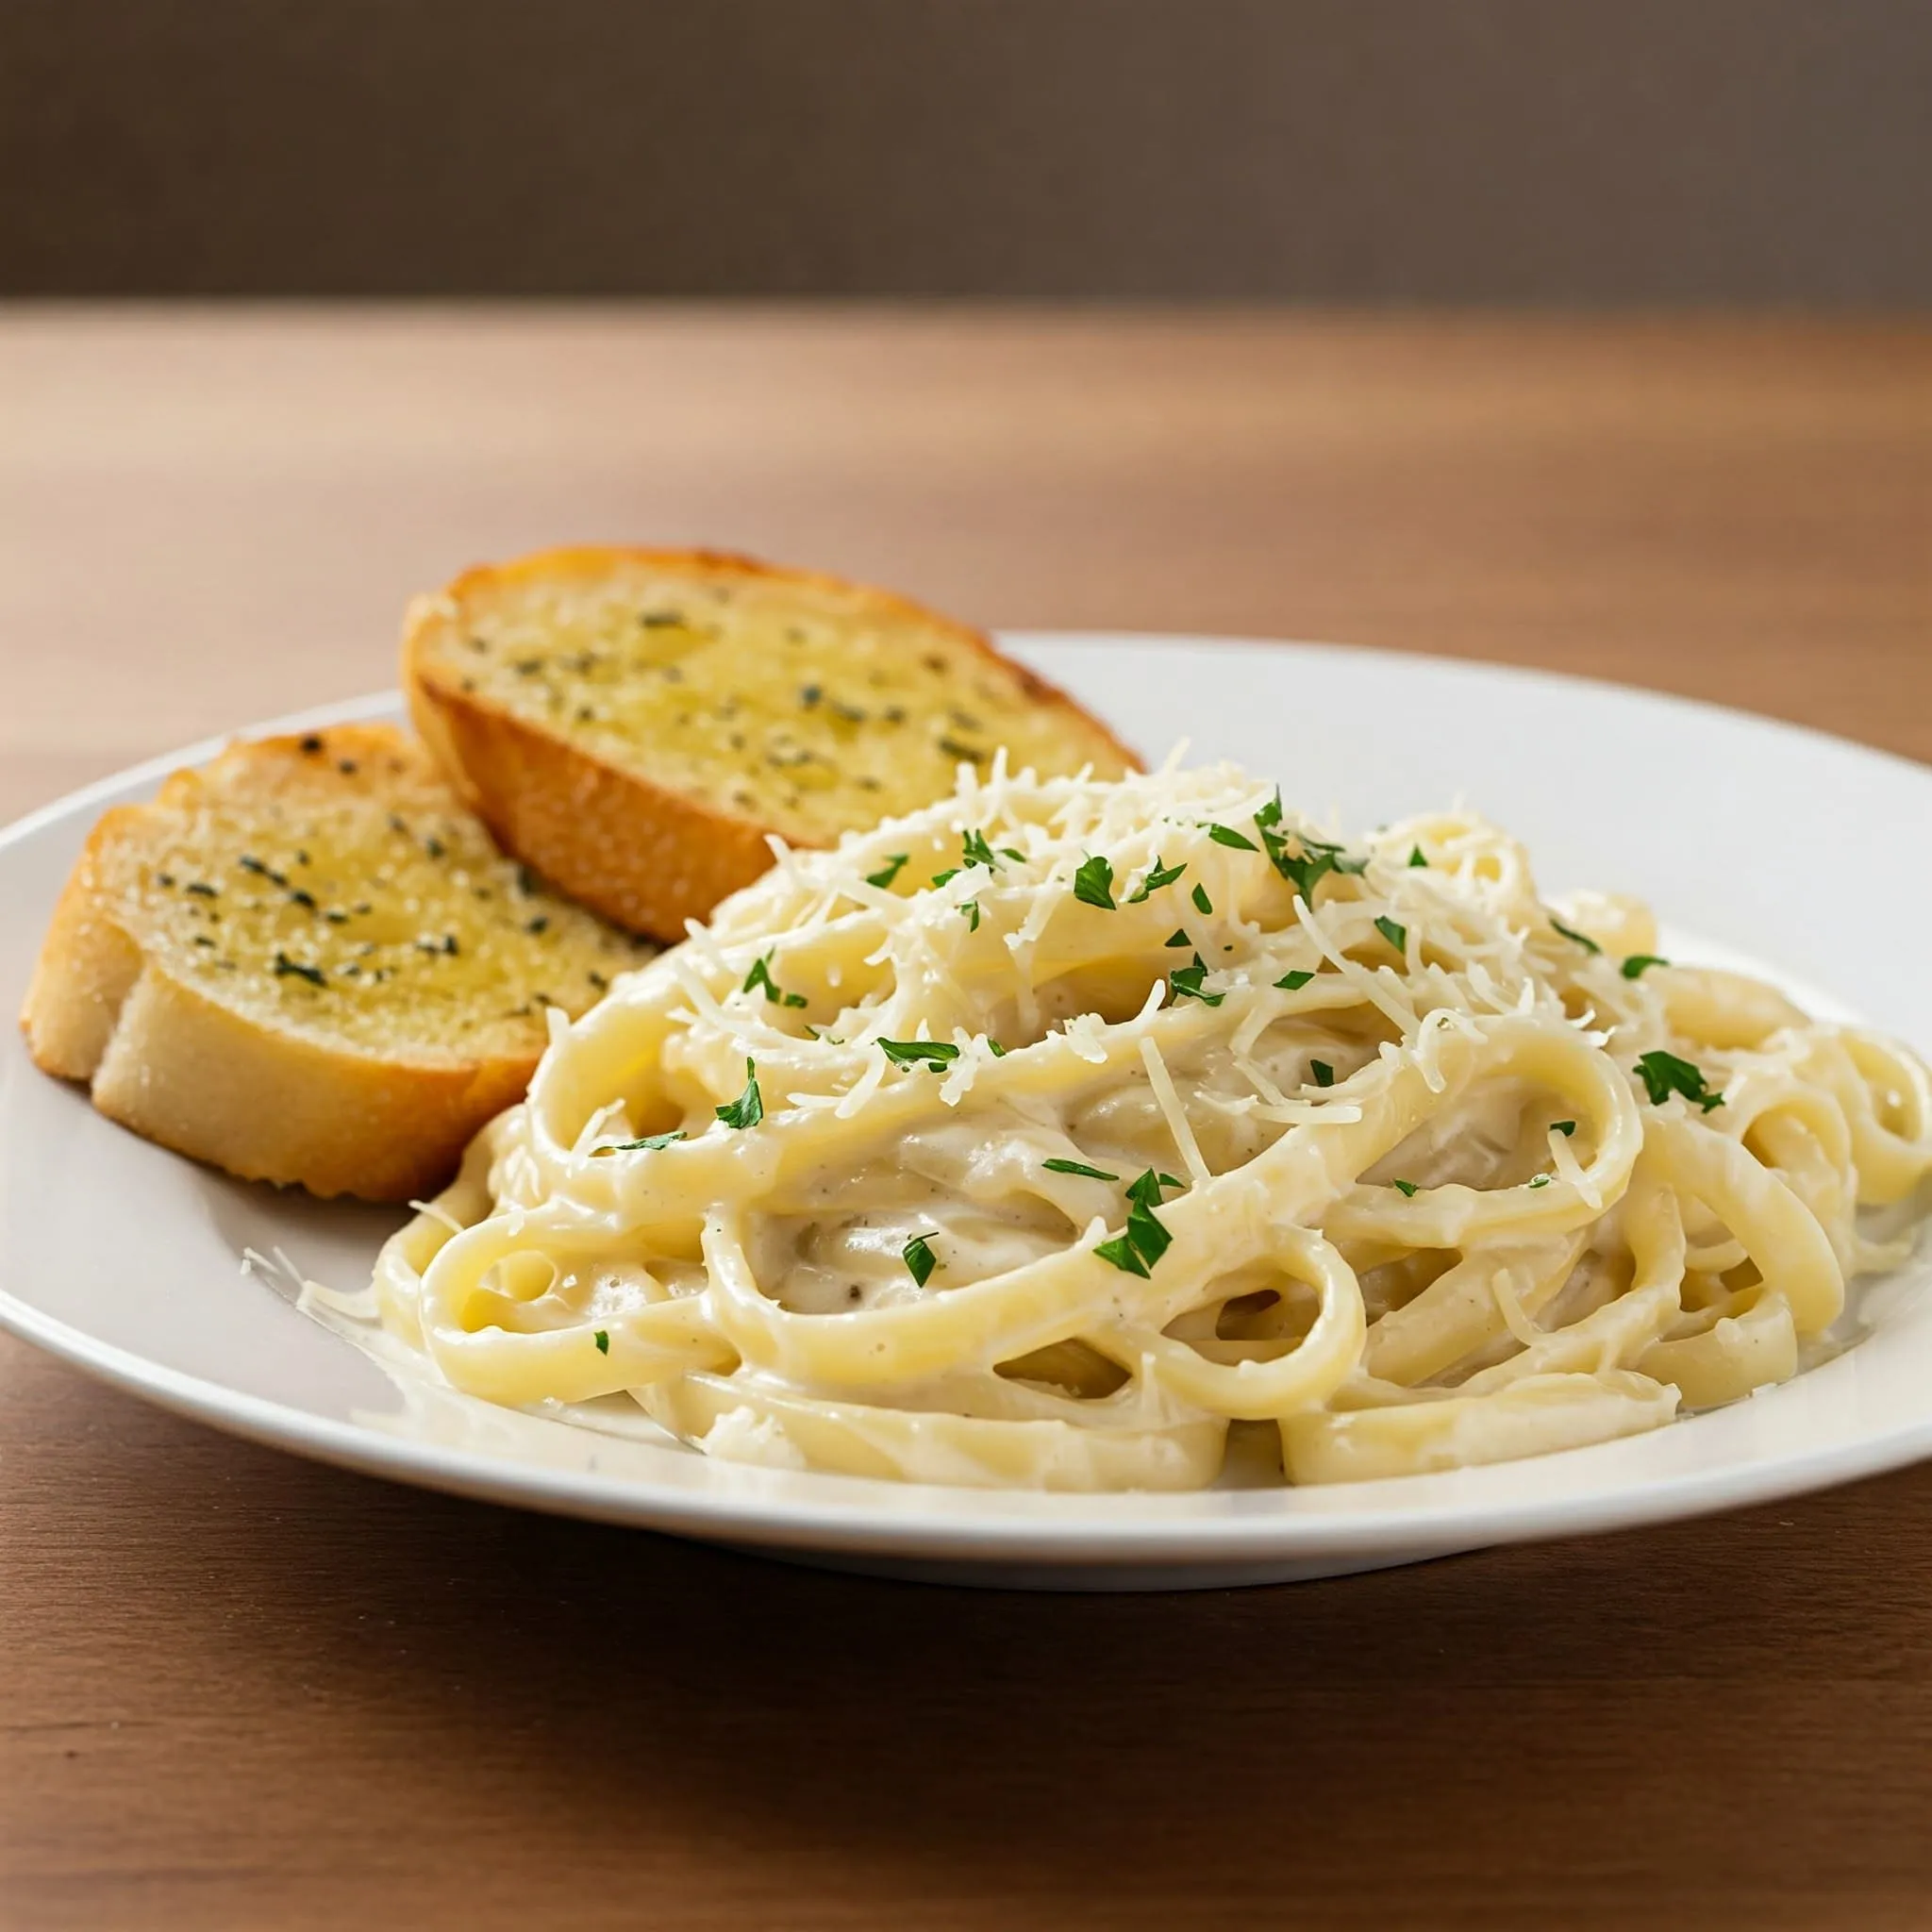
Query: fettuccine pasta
pixel 1049 1135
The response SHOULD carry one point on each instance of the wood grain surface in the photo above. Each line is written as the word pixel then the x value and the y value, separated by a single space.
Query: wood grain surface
pixel 237 1690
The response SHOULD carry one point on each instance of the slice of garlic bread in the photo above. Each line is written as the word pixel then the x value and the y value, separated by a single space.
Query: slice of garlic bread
pixel 307 962
pixel 636 723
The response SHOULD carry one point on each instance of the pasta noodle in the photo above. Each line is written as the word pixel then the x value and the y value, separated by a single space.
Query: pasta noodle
pixel 1047 1136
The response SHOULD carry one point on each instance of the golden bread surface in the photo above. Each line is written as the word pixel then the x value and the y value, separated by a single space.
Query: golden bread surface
pixel 635 723
pixel 307 962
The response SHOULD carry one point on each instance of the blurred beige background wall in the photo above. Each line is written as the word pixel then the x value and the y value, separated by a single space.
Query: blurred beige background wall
pixel 1612 151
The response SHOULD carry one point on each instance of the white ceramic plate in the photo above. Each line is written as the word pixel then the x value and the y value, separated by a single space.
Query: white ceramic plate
pixel 1796 853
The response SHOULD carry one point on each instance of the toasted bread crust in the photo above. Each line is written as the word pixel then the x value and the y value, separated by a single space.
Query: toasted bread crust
pixel 633 851
pixel 637 852
pixel 224 1086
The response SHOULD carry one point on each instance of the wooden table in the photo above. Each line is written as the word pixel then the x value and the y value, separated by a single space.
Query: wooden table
pixel 238 1690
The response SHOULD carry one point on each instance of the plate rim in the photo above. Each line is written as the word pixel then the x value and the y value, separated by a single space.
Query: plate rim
pixel 843 1521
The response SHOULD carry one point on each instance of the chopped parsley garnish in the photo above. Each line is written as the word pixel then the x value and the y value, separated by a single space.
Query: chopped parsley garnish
pixel 761 975
pixel 1394 932
pixel 1144 1241
pixel 1564 1128
pixel 1417 856
pixel 1324 1073
pixel 1293 982
pixel 1270 813
pixel 748 1109
pixel 1226 835
pixel 934 1054
pixel 1160 876
pixel 1179 936
pixel 1404 1187
pixel 1146 1235
pixel 971 911
pixel 1201 902
pixel 602 1339
pixel 1310 862
pixel 649 1144
pixel 920 1259
pixel 1539 1180
pixel 1638 963
pixel 889 871
pixel 1079 1167
pixel 286 967
pixel 973 850
pixel 1184 982
pixel 1093 883
pixel 952 872
pixel 1581 939
pixel 993 1047
pixel 1664 1075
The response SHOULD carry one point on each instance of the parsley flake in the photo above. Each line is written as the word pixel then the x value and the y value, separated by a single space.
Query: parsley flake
pixel 1120 1251
pixel 971 909
pixel 1417 856
pixel 889 871
pixel 760 977
pixel 1664 1075
pixel 1539 1180
pixel 748 1109
pixel 933 1053
pixel 993 1047
pixel 1093 883
pixel 1581 939
pixel 952 872
pixel 973 850
pixel 1293 982
pixel 1146 1235
pixel 1394 932
pixel 1177 938
pixel 649 1144
pixel 1564 1128
pixel 1226 835
pixel 920 1259
pixel 1079 1167
pixel 1140 1245
pixel 1324 1073
pixel 602 1339
pixel 1309 862
pixel 1160 876
pixel 1184 982
pixel 1201 902
pixel 1404 1187
pixel 1638 963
